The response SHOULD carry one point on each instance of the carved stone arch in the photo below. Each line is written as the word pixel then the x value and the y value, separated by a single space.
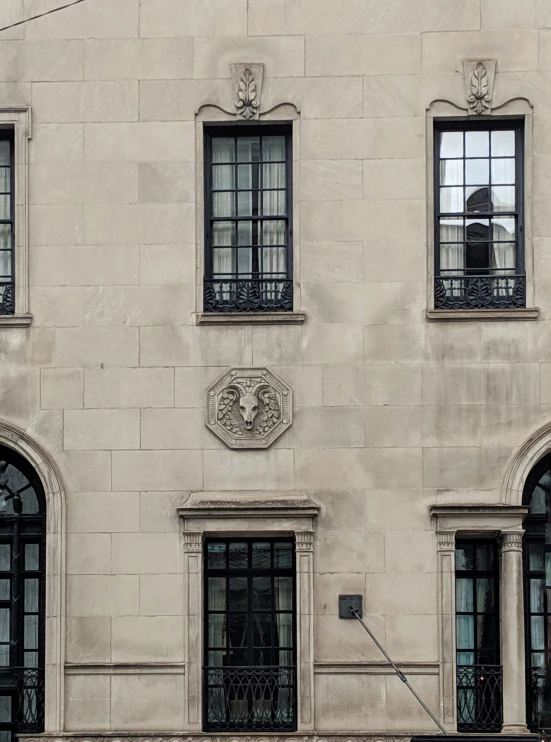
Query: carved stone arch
pixel 522 463
pixel 21 442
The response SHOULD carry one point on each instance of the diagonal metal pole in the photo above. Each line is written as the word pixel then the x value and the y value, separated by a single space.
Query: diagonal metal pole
pixel 397 670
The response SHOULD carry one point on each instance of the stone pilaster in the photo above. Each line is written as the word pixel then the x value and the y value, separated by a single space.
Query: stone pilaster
pixel 445 544
pixel 193 571
pixel 304 541
pixel 512 634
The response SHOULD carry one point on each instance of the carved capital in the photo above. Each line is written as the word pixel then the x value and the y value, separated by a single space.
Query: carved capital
pixel 304 540
pixel 479 85
pixel 193 541
pixel 247 79
pixel 511 541
pixel 445 540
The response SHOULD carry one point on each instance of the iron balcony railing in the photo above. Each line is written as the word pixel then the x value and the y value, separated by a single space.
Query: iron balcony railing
pixel 256 699
pixel 7 298
pixel 496 291
pixel 25 688
pixel 248 295
pixel 479 698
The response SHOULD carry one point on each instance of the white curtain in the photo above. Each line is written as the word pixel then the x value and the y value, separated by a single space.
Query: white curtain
pixel 274 259
pixel 217 637
pixel 284 602
pixel 223 177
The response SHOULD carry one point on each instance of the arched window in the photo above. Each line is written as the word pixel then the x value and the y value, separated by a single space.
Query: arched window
pixel 537 576
pixel 22 597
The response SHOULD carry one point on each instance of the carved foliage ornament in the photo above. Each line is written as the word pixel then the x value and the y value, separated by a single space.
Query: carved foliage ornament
pixel 247 80
pixel 479 85
pixel 249 408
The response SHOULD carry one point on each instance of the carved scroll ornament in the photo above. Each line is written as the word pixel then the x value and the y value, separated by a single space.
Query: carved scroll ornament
pixel 249 408
pixel 479 86
pixel 247 81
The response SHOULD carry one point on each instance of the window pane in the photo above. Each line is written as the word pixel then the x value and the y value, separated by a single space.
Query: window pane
pixel 484 552
pixel 216 556
pixel 245 233
pixel 536 596
pixel 5 264
pixel 451 230
pixel 273 148
pixel 238 632
pixel 244 262
pixel 548 569
pixel 451 200
pixel 31 632
pixel 5 236
pixel 484 595
pixel 217 594
pixel 477 172
pixel 464 594
pixel 262 594
pixel 238 594
pixel 4 624
pixel 477 200
pixel 261 555
pixel 31 595
pixel 283 593
pixel 262 630
pixel 485 632
pixel 273 232
pixel 32 557
pixel 222 261
pixel 5 206
pixel 247 177
pixel 464 557
pixel 274 176
pixel 477 144
pixel 5 149
pixel 503 171
pixel 504 229
pixel 451 172
pixel 451 144
pixel 223 149
pixel 284 622
pixel 30 659
pixel 247 203
pixel 538 660
pixel 274 203
pixel 274 262
pixel 503 198
pixel 503 143
pixel 537 632
pixel 248 149
pixel 5 709
pixel 4 589
pixel 4 655
pixel 217 630
pixel 223 177
pixel 5 560
pixel 535 557
pixel 465 658
pixel 223 233
pixel 238 555
pixel 465 632
pixel 223 204
pixel 283 555
pixel 216 658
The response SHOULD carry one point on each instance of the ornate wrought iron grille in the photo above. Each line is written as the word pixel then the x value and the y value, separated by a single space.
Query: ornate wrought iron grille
pixel 249 678
pixel 479 698
pixel 248 295
pixel 7 222
pixel 22 597
pixel 479 216
pixel 248 206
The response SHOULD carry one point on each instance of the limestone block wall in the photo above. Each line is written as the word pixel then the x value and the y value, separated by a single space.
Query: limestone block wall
pixel 392 413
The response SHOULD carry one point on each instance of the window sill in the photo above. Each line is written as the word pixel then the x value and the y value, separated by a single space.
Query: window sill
pixel 244 318
pixel 472 315
pixel 15 320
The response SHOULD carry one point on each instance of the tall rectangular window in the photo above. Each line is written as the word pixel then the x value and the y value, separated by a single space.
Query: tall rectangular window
pixel 248 212
pixel 479 215
pixel 479 676
pixel 250 647
pixel 7 219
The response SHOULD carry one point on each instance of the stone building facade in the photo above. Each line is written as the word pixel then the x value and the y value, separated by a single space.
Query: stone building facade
pixel 238 331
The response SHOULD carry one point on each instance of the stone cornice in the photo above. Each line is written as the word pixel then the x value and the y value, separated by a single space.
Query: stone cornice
pixel 248 505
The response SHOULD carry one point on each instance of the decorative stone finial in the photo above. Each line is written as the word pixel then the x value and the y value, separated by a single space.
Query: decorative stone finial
pixel 249 408
pixel 479 85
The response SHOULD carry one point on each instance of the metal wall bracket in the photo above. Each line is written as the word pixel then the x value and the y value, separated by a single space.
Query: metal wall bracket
pixel 346 602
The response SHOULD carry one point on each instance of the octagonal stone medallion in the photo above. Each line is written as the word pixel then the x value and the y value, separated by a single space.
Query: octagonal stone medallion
pixel 249 407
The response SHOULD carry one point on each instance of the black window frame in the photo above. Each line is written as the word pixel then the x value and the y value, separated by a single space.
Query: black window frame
pixel 480 684
pixel 20 680
pixel 251 679
pixel 485 290
pixel 258 294
pixel 7 283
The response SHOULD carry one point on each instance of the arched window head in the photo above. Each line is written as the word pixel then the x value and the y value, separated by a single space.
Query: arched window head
pixel 21 491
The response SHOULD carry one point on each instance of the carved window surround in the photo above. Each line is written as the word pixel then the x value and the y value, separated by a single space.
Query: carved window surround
pixel 250 513
pixel 18 119
pixel 481 102
pixel 242 103
pixel 505 522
